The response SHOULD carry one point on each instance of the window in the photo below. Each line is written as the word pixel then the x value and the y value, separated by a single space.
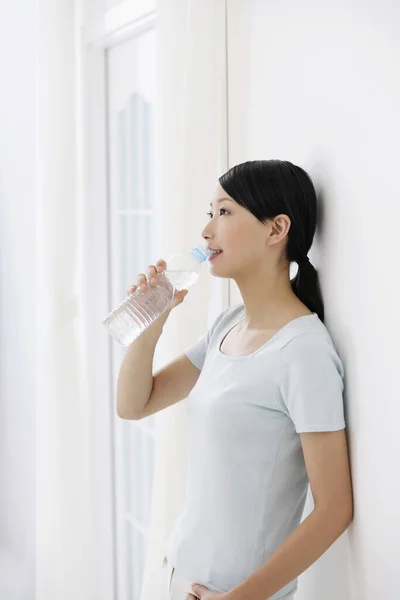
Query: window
pixel 133 245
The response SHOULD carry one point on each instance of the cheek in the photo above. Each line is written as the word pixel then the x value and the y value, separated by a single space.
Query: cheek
pixel 243 240
pixel 236 234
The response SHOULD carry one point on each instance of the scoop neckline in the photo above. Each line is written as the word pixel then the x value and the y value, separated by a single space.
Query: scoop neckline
pixel 249 356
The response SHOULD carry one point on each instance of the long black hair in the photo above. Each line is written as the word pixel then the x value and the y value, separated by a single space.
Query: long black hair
pixel 268 188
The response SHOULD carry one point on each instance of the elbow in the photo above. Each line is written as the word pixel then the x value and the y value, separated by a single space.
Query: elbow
pixel 129 407
pixel 347 517
pixel 349 511
pixel 123 410
pixel 350 516
pixel 124 414
pixel 339 520
pixel 120 413
pixel 124 404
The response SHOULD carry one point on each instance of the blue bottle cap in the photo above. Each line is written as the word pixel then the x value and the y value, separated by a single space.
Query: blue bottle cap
pixel 201 253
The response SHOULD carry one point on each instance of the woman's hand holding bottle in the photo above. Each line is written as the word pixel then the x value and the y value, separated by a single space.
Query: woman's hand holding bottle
pixel 153 272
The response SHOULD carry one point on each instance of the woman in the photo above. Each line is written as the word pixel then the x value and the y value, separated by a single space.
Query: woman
pixel 264 389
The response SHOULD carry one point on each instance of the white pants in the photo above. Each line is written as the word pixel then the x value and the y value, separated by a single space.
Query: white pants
pixel 179 587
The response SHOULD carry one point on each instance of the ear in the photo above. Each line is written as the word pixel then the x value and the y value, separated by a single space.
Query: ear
pixel 279 229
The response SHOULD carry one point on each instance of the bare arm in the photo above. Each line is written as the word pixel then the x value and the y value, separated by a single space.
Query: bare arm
pixel 139 393
pixel 135 379
pixel 171 384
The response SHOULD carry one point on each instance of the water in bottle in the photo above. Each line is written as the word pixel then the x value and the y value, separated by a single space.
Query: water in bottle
pixel 140 309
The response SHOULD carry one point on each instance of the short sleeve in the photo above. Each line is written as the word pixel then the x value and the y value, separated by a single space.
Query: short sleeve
pixel 310 384
pixel 197 351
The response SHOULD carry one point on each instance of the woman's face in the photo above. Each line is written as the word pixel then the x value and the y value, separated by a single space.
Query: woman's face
pixel 233 229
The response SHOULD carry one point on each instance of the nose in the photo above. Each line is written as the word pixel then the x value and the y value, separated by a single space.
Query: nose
pixel 207 231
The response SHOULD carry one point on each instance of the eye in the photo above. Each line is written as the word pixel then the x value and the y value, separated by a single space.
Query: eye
pixel 210 213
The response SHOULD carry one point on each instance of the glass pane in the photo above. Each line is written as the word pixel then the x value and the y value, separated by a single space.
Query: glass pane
pixel 146 72
pixel 129 265
pixel 136 153
pixel 136 549
pixel 139 451
pixel 127 465
pixel 135 150
pixel 149 156
pixel 137 248
pixel 150 237
pixel 122 189
pixel 150 451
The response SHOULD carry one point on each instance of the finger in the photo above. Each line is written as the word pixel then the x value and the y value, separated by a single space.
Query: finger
pixel 132 289
pixel 142 282
pixel 152 275
pixel 161 265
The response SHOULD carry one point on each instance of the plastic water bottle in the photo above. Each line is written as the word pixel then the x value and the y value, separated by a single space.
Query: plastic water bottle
pixel 140 309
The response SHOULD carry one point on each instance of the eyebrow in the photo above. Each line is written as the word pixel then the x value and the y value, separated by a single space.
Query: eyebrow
pixel 221 200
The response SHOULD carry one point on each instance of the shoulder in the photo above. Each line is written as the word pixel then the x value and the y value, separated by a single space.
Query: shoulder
pixel 310 382
pixel 311 352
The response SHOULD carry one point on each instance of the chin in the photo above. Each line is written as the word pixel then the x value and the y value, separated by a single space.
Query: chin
pixel 217 272
pixel 221 275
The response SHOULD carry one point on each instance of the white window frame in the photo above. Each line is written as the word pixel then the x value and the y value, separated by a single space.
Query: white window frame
pixel 125 20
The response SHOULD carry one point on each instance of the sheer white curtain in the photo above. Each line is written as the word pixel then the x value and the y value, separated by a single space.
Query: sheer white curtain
pixel 64 500
pixel 191 155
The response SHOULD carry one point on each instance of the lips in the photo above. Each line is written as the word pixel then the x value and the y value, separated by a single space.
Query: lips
pixel 216 253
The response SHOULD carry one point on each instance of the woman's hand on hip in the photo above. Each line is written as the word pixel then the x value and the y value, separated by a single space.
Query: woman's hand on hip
pixel 200 591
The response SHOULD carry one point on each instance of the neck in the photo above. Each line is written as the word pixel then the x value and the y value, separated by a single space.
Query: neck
pixel 268 297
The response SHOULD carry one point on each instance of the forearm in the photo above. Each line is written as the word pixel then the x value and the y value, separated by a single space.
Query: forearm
pixel 135 379
pixel 300 550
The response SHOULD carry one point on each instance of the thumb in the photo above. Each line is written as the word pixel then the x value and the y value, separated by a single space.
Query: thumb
pixel 199 589
pixel 182 293
pixel 178 297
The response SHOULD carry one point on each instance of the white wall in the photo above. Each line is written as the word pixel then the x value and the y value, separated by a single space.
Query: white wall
pixel 318 84
pixel 17 302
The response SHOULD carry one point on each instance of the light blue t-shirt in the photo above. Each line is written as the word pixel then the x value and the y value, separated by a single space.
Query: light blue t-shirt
pixel 246 480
